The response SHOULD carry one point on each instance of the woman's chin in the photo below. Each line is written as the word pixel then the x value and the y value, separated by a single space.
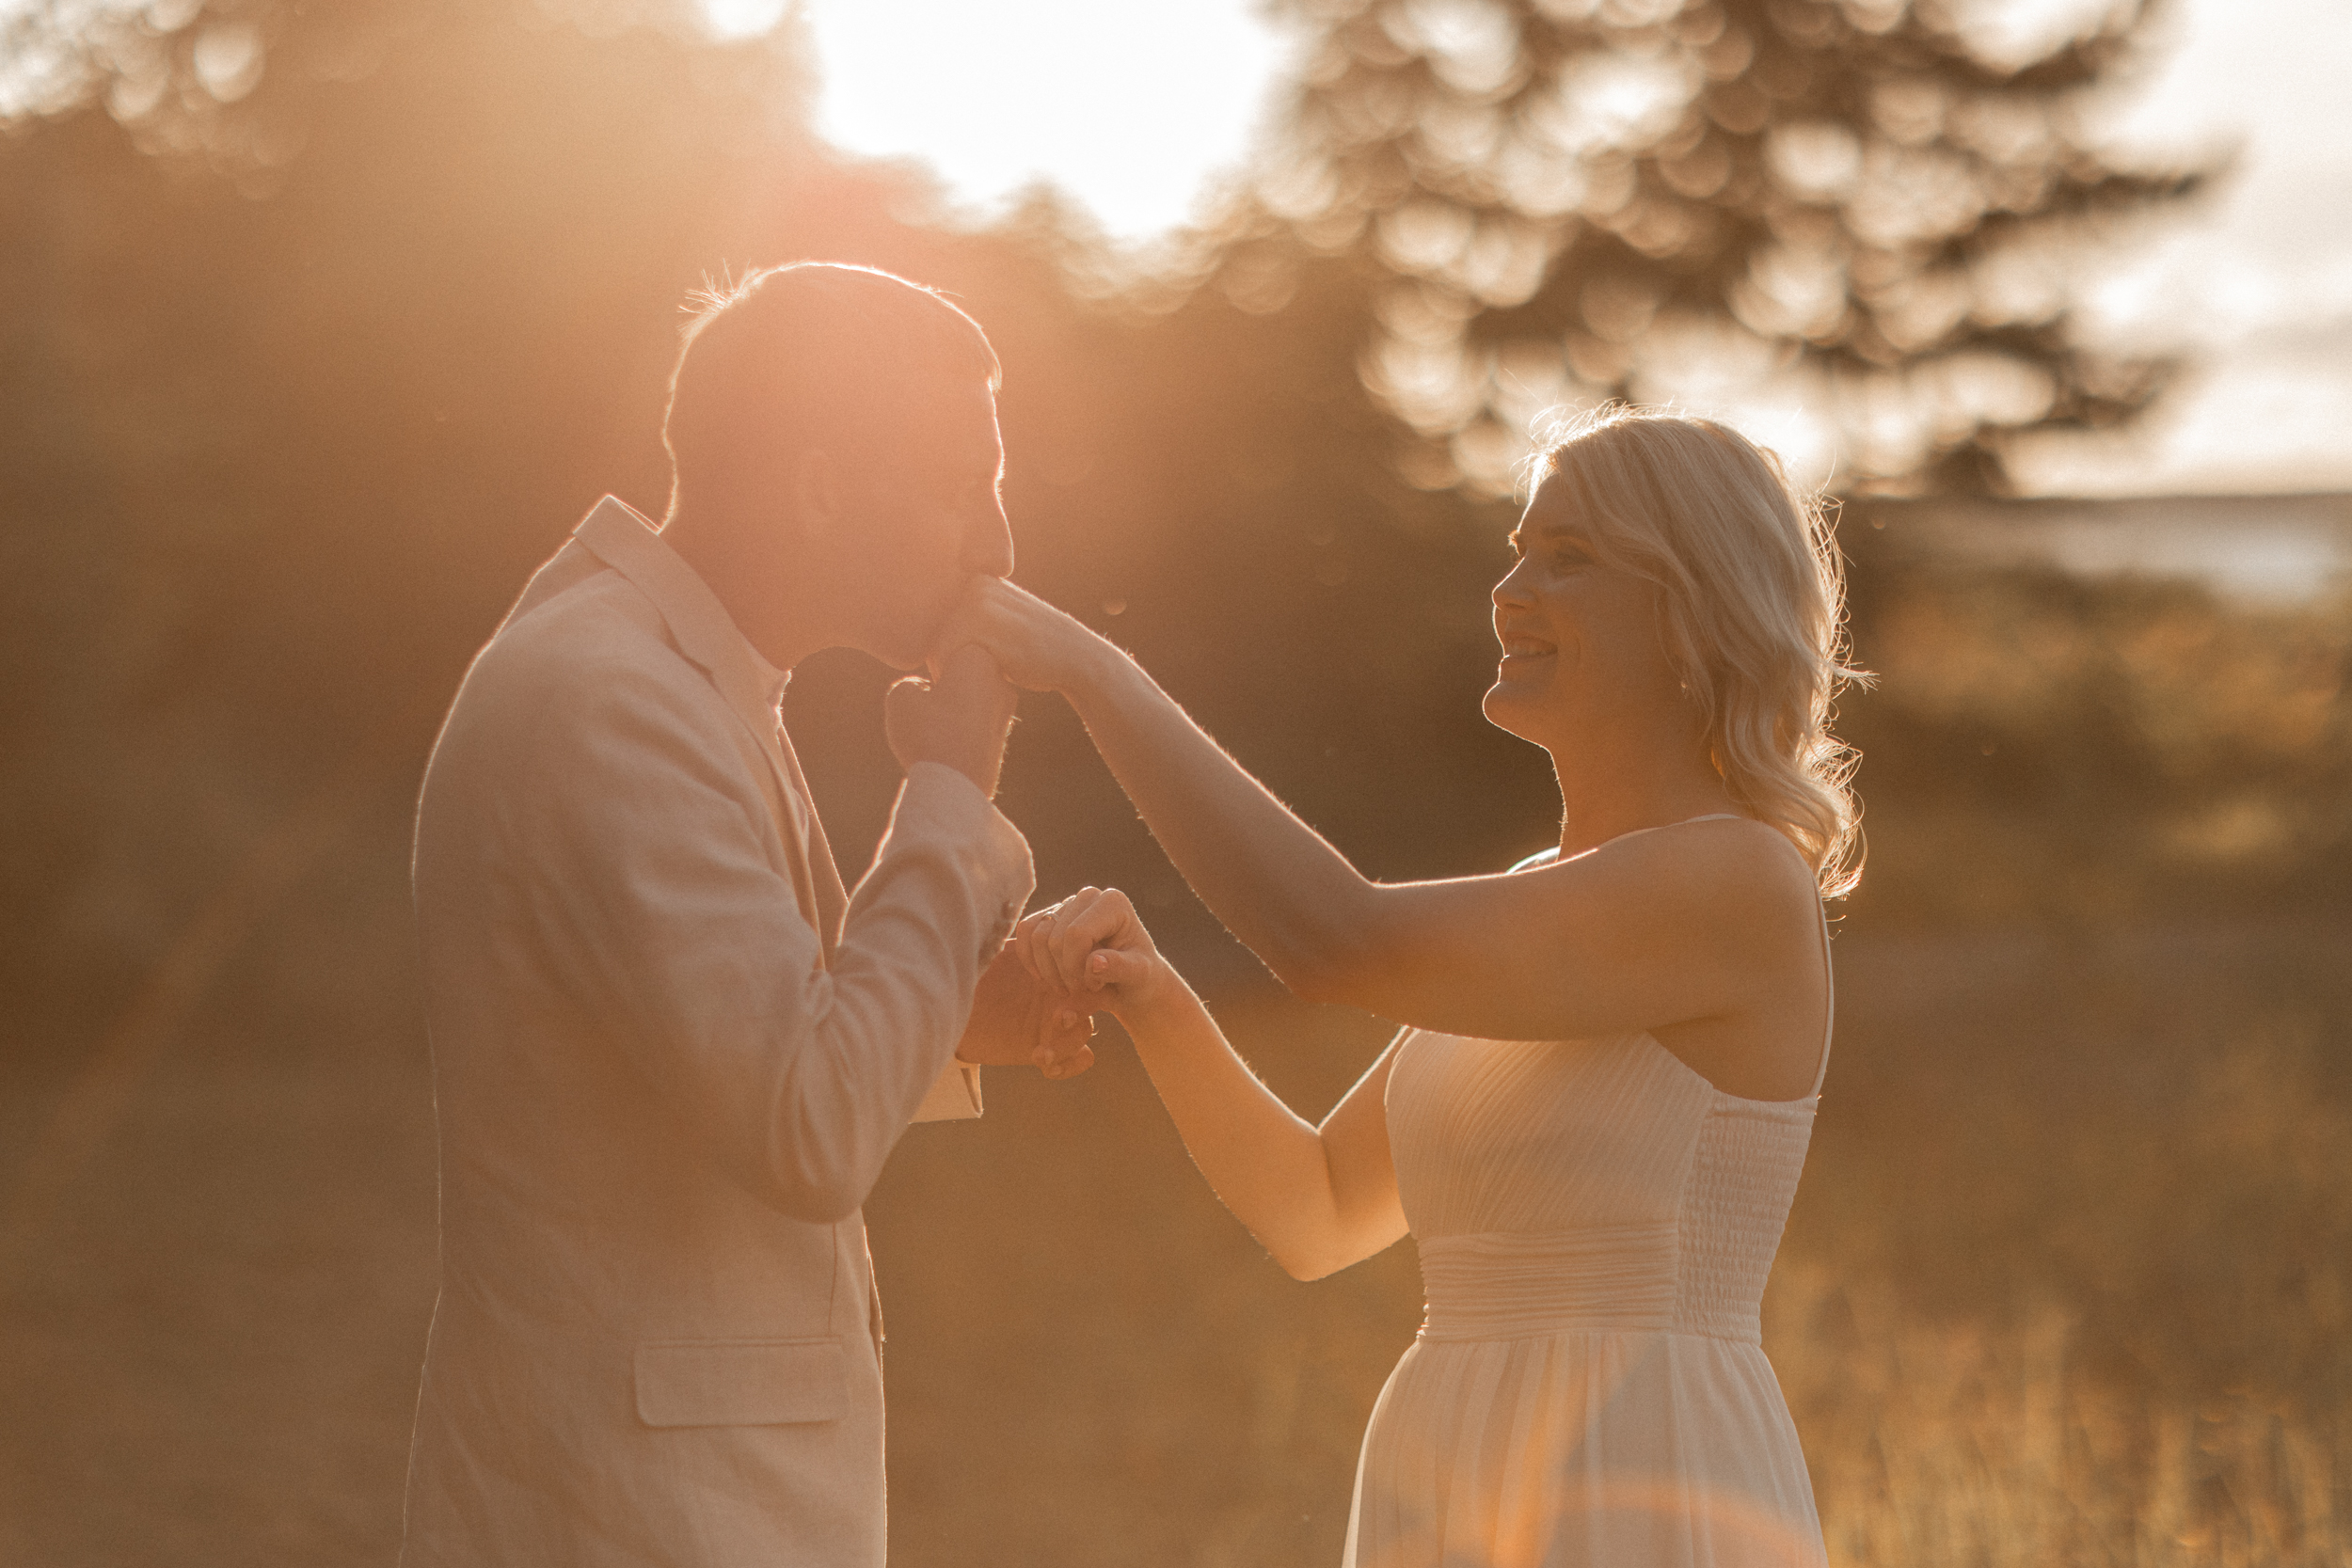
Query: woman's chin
pixel 1508 708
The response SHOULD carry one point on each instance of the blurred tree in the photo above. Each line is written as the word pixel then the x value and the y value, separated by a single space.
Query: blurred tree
pixel 1579 198
pixel 304 366
pixel 320 322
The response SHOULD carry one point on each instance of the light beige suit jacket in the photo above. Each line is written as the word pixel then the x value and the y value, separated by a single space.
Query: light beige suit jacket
pixel 669 1064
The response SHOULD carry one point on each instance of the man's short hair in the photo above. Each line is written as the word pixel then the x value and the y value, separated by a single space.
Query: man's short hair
pixel 816 353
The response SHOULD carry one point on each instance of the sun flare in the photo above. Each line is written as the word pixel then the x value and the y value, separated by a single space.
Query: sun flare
pixel 1132 110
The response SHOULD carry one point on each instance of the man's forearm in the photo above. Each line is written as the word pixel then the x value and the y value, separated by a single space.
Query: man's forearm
pixel 884 1021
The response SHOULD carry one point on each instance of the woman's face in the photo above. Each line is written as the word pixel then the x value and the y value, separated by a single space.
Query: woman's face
pixel 1581 649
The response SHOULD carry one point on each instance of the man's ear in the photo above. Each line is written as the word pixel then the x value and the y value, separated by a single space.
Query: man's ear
pixel 815 482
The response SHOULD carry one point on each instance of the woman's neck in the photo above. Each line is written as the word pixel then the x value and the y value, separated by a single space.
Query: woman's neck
pixel 1605 793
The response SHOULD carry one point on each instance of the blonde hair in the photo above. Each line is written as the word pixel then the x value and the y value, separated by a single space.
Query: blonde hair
pixel 1753 606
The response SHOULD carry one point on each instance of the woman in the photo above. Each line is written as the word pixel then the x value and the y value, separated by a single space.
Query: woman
pixel 1594 1122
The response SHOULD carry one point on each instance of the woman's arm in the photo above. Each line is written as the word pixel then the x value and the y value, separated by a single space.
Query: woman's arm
pixel 1645 933
pixel 1290 896
pixel 1317 1198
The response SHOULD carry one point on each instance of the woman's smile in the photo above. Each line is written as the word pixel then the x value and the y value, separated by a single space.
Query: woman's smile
pixel 1574 631
pixel 1523 653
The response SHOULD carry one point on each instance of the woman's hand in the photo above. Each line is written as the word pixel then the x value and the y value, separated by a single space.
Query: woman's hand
pixel 1036 646
pixel 1319 1199
pixel 1093 943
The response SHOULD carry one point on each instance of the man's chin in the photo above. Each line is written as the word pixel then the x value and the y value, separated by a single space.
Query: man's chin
pixel 911 651
pixel 907 654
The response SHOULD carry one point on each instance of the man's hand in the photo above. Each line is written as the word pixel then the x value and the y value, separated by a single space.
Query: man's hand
pixel 1036 646
pixel 1019 1019
pixel 959 716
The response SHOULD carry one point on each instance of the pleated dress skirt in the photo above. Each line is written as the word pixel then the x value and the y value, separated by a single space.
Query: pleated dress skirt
pixel 1589 1388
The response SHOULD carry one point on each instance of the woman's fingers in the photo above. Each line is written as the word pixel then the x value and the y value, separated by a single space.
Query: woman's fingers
pixel 1027 936
pixel 999 617
pixel 1112 966
pixel 1045 937
pixel 1061 955
pixel 1107 919
pixel 1033 643
pixel 1045 944
pixel 1062 944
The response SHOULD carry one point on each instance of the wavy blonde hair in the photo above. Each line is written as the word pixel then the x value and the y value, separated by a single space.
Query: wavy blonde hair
pixel 1753 605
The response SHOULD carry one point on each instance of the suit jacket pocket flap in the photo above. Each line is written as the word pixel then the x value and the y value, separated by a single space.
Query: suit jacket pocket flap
pixel 728 1383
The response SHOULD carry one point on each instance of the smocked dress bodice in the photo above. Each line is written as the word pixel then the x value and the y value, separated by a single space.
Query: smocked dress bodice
pixel 1596 1183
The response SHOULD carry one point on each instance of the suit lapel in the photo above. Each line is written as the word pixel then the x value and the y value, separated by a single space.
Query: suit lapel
pixel 615 535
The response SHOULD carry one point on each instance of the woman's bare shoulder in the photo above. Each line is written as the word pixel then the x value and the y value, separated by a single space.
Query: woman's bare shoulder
pixel 1735 868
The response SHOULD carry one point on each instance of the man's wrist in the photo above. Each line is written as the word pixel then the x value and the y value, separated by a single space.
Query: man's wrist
pixel 950 766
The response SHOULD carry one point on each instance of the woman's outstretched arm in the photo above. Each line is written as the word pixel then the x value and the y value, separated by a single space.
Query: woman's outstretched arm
pixel 1318 1198
pixel 1699 924
pixel 1289 895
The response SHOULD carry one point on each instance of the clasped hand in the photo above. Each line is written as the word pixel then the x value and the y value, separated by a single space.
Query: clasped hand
pixel 1090 953
pixel 1093 948
pixel 1020 1018
pixel 1036 1003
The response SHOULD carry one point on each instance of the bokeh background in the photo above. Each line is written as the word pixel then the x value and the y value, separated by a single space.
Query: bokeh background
pixel 322 321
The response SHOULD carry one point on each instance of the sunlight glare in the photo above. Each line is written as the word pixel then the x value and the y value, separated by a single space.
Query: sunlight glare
pixel 743 18
pixel 1130 110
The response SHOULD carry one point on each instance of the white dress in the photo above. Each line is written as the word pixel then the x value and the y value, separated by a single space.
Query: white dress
pixel 1589 1387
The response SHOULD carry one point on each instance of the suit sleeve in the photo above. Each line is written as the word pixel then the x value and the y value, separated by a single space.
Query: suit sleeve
pixel 648 878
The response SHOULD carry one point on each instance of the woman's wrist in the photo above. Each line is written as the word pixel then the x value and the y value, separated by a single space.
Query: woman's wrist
pixel 1098 675
pixel 1141 1007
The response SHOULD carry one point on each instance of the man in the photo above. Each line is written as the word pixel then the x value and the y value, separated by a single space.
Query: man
pixel 671 1055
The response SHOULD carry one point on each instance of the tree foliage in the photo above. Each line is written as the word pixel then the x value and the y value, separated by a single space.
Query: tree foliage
pixel 1653 198
pixel 303 366
pixel 284 437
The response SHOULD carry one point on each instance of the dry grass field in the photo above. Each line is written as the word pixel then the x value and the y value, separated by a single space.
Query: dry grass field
pixel 2067 1281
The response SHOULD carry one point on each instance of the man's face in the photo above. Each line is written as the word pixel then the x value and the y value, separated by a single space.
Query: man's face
pixel 923 524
